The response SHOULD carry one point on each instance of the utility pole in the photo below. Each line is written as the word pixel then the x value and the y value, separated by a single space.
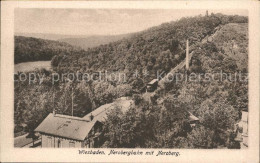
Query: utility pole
pixel 72 98
pixel 53 105
pixel 187 55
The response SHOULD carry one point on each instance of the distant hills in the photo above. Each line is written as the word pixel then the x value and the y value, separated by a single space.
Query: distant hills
pixel 47 36
pixel 93 41
pixel 82 41
pixel 35 49
pixel 42 47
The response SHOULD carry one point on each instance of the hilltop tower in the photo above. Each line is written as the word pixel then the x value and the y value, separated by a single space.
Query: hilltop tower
pixel 187 54
pixel 207 13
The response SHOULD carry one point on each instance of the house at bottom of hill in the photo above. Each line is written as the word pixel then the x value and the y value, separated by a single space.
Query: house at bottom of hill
pixel 63 131
pixel 241 129
pixel 192 119
pixel 152 85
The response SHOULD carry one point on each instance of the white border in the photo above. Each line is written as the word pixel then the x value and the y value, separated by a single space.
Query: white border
pixel 8 153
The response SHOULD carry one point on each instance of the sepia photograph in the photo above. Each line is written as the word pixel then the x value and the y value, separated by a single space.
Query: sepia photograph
pixel 130 78
pixel 105 83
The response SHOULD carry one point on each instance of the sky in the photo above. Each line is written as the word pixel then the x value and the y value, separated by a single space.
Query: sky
pixel 99 21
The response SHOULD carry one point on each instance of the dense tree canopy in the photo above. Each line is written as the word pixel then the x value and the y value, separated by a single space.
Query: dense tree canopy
pixel 34 49
pixel 156 49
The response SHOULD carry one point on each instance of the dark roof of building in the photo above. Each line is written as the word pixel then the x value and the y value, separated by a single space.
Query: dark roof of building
pixel 66 126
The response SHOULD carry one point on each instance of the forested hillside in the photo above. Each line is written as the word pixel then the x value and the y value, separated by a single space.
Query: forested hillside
pixel 161 121
pixel 232 40
pixel 217 103
pixel 156 49
pixel 35 49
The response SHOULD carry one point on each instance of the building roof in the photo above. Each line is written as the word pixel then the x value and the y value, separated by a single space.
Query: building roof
pixel 66 126
pixel 192 117
pixel 153 81
pixel 75 127
pixel 100 114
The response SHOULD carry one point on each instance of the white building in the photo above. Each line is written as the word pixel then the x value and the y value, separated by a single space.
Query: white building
pixel 62 131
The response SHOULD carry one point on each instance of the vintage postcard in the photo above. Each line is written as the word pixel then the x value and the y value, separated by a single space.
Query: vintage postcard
pixel 125 81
